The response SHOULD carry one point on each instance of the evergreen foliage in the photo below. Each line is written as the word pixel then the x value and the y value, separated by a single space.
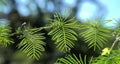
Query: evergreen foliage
pixel 95 34
pixel 72 59
pixel 5 39
pixel 32 43
pixel 62 31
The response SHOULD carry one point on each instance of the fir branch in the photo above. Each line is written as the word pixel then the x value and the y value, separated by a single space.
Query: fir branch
pixel 5 39
pixel 32 43
pixel 94 34
pixel 62 32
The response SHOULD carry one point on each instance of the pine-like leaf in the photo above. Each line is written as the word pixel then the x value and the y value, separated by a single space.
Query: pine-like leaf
pixel 32 43
pixel 62 32
pixel 94 34
pixel 5 36
pixel 72 59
